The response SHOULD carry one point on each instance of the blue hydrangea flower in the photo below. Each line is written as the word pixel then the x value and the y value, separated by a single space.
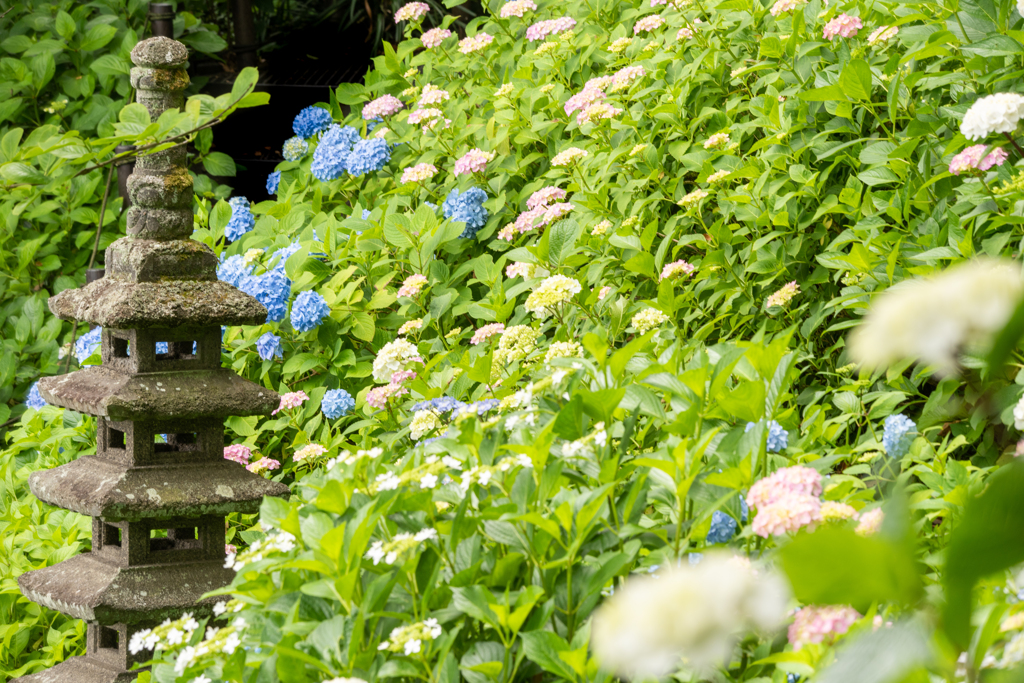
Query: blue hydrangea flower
pixel 310 121
pixel 294 149
pixel 233 269
pixel 440 405
pixel 366 214
pixel 723 528
pixel 336 403
pixel 273 180
pixel 272 289
pixel 373 123
pixel 34 399
pixel 792 678
pixel 88 344
pixel 242 220
pixel 467 208
pixel 331 155
pixel 269 346
pixel 480 407
pixel 283 254
pixel 431 205
pixel 778 438
pixel 898 435
pixel 161 347
pixel 694 558
pixel 308 310
pixel 368 156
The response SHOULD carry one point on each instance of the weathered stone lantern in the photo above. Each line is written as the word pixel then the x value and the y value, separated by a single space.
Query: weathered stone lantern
pixel 158 488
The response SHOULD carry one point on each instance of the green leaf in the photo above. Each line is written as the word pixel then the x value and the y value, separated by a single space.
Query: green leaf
pixel 220 216
pixel 1005 342
pixel 97 36
pixel 564 234
pixel 134 113
pixel 830 93
pixel 989 538
pixel 397 231
pixel 855 80
pixel 351 93
pixel 885 655
pixel 543 649
pixel 244 82
pixel 23 173
pixel 65 25
pixel 878 176
pixel 862 569
pixel 219 164
pixel 110 65
pixel 363 326
pixel 204 41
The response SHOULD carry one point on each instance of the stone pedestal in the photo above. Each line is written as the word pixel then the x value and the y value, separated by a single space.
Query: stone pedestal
pixel 158 488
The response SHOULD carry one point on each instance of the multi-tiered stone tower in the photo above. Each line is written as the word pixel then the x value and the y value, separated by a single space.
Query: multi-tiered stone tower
pixel 158 488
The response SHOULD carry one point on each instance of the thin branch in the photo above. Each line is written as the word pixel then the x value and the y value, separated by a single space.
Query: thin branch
pixel 103 209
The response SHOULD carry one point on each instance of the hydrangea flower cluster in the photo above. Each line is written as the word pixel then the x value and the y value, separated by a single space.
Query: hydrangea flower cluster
pixel 566 349
pixel 368 156
pixel 272 289
pixel 239 453
pixel 310 121
pixel 233 270
pixel 723 528
pixel 898 434
pixel 814 624
pixel 88 344
pixel 882 34
pixel 292 399
pixel 844 25
pixel 486 332
pixel 331 156
pixel 263 465
pixel 648 319
pixel 274 543
pixel 34 399
pixel 677 269
pixel 413 11
pixel 517 8
pixel 717 141
pixel 309 452
pixel 473 161
pixel 378 397
pixel 428 117
pixel 552 292
pixel 385 105
pixel 412 285
pixel 785 501
pixel 467 207
pixel 568 157
pixel 394 356
pixel 520 269
pixel 543 29
pixel 783 296
pixel 268 346
pixel 434 37
pixel 433 95
pixel 626 76
pixel 785 7
pixel 997 113
pixel 409 639
pixel 423 422
pixel 471 44
pixel 649 23
pixel 870 522
pixel 974 159
pixel 241 221
pixel 337 403
pixel 778 438
pixel 516 343
pixel 294 149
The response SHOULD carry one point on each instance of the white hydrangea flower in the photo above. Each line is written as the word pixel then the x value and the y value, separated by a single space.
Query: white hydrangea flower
pixel 393 357
pixel 423 423
pixel 1018 414
pixel 997 113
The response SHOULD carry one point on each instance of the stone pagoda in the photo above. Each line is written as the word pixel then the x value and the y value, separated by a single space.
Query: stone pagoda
pixel 158 488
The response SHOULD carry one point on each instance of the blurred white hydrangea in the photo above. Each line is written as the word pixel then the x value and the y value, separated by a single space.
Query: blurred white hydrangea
pixel 687 617
pixel 997 113
pixel 934 319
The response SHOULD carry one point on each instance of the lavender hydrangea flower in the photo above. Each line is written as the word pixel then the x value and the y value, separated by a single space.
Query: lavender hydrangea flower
pixel 337 403
pixel 233 269
pixel 467 208
pixel 898 435
pixel 269 346
pixel 308 310
pixel 242 220
pixel 331 155
pixel 310 121
pixel 272 289
pixel 273 181
pixel 440 405
pixel 88 344
pixel 294 149
pixel 34 399
pixel 368 156
pixel 778 438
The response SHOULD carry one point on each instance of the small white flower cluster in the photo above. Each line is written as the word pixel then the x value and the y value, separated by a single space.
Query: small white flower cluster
pixel 218 641
pixel 409 639
pixel 167 634
pixel 483 474
pixel 425 475
pixel 275 542
pixel 353 458
pixel 402 543
pixel 584 447
pixel 647 320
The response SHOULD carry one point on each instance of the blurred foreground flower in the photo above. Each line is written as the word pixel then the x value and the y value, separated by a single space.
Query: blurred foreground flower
pixel 933 320
pixel 690 616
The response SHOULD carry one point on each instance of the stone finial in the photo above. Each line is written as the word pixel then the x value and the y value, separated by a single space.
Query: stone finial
pixel 159 53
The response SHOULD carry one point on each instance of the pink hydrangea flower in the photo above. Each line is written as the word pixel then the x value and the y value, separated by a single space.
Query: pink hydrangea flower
pixel 796 480
pixel 412 285
pixel 473 161
pixel 815 624
pixel 292 399
pixel 486 332
pixel 882 34
pixel 971 159
pixel 475 43
pixel 786 515
pixel 844 25
pixel 229 549
pixel 385 105
pixel 677 268
pixel 412 11
pixel 418 173
pixel 596 111
pixel 378 397
pixel 517 8
pixel 549 27
pixel 603 293
pixel 648 23
pixel 402 376
pixel 264 464
pixel 583 99
pixel 870 522
pixel 238 453
pixel 545 196
pixel 623 77
pixel 434 37
pixel 427 116
pixel 556 211
pixel 684 34
pixel 784 6
pixel 313 450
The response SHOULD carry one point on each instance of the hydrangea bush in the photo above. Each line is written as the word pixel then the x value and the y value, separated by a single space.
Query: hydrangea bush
pixel 611 343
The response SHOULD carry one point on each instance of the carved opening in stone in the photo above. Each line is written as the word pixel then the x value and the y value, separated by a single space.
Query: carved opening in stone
pixel 177 350
pixel 109 639
pixel 111 535
pixel 177 443
pixel 120 347
pixel 174 539
pixel 115 438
